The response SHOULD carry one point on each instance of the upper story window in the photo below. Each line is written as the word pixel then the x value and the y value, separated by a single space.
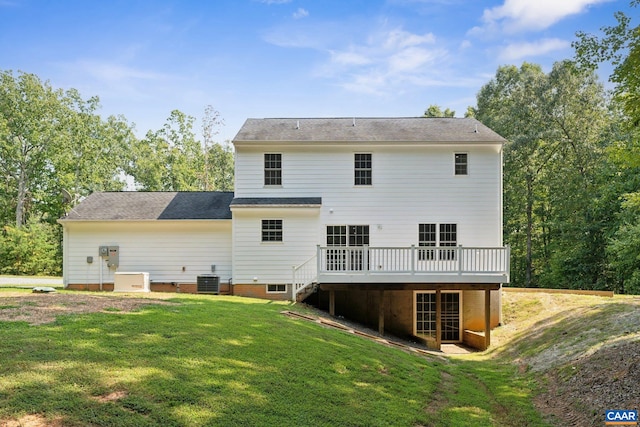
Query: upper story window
pixel 461 164
pixel 272 169
pixel 272 230
pixel 362 169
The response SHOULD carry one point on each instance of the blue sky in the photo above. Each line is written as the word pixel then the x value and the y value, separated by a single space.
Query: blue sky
pixel 286 58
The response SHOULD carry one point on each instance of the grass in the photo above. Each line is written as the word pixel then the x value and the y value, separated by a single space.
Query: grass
pixel 230 361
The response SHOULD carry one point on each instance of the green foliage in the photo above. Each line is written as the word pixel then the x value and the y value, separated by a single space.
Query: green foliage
pixel 31 250
pixel 554 163
pixel 173 159
pixel 619 46
pixel 436 111
pixel 52 140
pixel 624 247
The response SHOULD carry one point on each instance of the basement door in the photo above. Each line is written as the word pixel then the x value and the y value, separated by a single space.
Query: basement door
pixel 425 315
pixel 348 241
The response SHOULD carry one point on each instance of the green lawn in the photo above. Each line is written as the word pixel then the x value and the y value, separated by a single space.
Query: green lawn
pixel 230 361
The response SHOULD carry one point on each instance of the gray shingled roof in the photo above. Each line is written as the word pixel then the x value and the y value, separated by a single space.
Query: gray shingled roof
pixel 139 206
pixel 407 129
pixel 276 201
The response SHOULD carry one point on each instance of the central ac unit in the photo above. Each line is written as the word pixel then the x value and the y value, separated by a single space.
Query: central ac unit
pixel 208 284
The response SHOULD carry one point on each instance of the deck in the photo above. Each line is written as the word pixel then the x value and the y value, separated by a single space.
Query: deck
pixel 406 265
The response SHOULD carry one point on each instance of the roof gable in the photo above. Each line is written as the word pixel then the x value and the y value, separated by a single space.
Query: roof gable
pixel 141 206
pixel 404 129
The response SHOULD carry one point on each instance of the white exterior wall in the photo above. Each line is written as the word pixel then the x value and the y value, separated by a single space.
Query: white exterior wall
pixel 411 185
pixel 272 262
pixel 161 248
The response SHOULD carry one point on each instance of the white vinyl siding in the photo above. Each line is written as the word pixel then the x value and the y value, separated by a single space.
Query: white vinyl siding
pixel 413 183
pixel 161 248
pixel 267 263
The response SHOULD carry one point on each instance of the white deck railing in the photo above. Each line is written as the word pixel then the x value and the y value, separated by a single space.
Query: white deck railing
pixel 413 260
pixel 304 275
pixel 418 262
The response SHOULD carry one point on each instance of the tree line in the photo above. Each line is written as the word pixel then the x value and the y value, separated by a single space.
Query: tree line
pixel 571 163
pixel 55 149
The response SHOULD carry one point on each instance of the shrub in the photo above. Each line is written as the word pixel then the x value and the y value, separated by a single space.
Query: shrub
pixel 34 249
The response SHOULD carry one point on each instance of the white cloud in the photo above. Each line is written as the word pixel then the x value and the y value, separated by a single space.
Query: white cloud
pixel 376 60
pixel 300 13
pixel 111 72
pixel 114 80
pixel 525 15
pixel 400 39
pixel 517 51
pixel 386 60
pixel 349 58
pixel 411 59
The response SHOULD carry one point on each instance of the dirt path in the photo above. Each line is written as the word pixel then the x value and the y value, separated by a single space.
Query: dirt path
pixel 38 309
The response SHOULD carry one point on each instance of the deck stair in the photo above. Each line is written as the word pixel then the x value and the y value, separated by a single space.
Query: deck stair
pixel 305 279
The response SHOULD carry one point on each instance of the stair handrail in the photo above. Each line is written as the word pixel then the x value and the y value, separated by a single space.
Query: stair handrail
pixel 304 275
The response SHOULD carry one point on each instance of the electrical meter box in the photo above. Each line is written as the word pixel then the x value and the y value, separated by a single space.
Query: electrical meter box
pixel 114 256
pixel 103 251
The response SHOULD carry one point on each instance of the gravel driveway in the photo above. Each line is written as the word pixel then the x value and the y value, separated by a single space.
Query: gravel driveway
pixel 28 281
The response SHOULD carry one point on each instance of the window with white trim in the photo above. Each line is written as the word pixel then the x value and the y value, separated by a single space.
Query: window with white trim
pixel 276 289
pixel 273 169
pixel 427 237
pixel 446 235
pixel 450 315
pixel 461 164
pixel 362 169
pixel 272 230
pixel 344 247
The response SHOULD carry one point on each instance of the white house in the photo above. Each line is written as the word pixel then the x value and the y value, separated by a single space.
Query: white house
pixel 376 219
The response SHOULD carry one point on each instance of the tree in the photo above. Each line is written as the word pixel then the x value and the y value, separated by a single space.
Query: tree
pixel 436 111
pixel 52 140
pixel 220 165
pixel 621 47
pixel 554 125
pixel 508 104
pixel 219 169
pixel 31 113
pixel 172 159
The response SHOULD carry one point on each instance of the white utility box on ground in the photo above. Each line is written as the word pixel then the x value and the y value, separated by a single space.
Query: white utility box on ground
pixel 131 282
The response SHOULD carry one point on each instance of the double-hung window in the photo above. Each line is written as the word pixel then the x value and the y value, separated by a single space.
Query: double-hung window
pixel 272 230
pixel 461 164
pixel 426 237
pixel 362 169
pixel 273 169
pixel 448 237
pixel 437 235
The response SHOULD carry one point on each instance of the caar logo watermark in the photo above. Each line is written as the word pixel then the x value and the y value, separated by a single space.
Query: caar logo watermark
pixel 621 417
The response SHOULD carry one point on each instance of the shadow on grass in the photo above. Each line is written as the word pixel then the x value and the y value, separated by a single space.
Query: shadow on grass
pixel 207 361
